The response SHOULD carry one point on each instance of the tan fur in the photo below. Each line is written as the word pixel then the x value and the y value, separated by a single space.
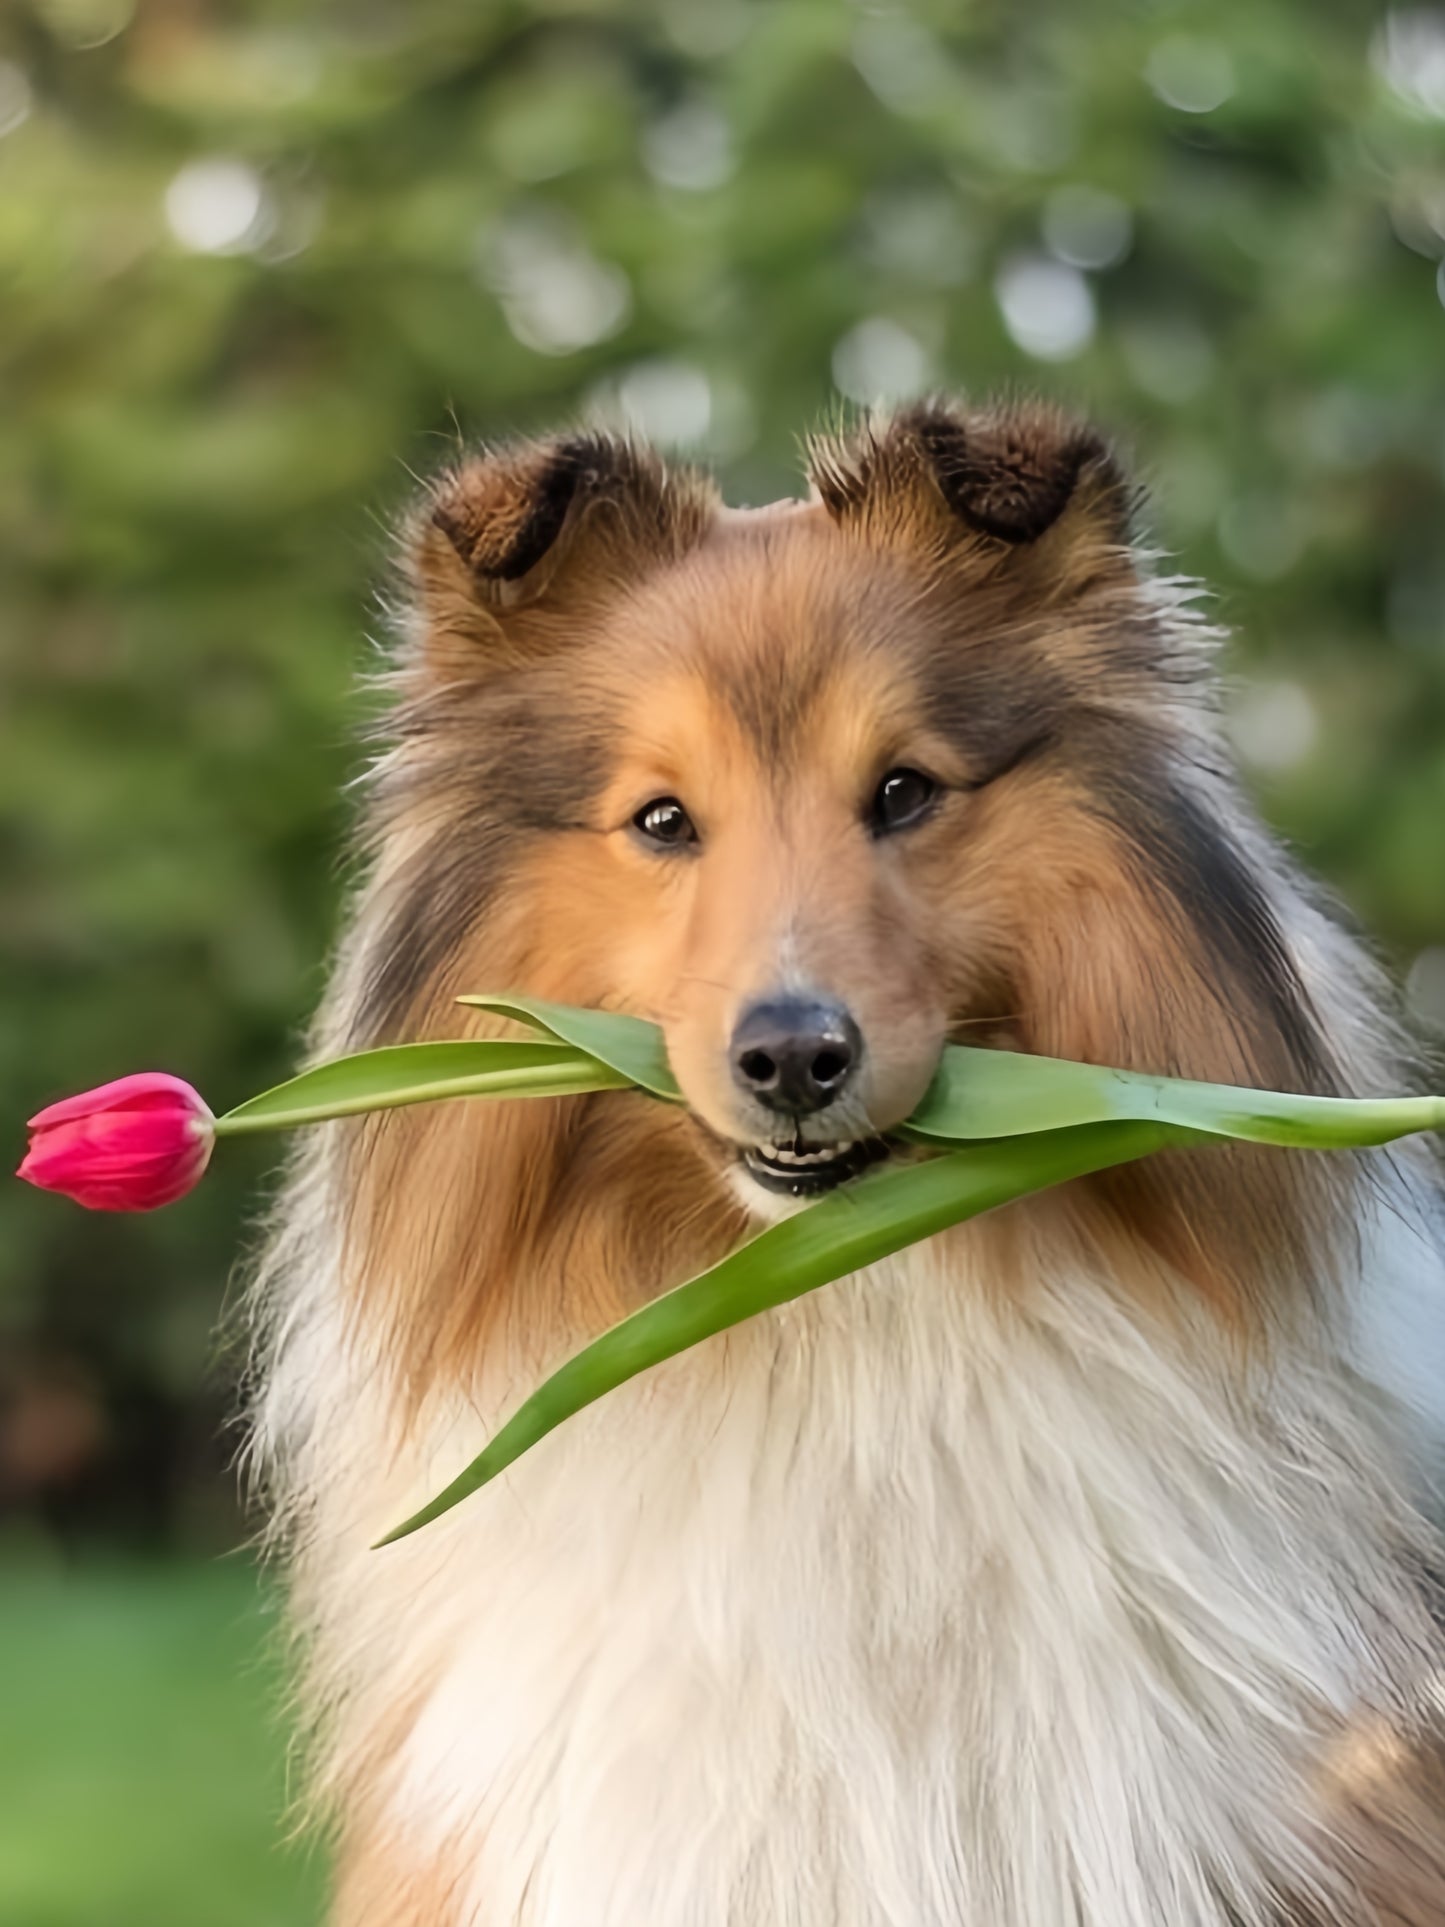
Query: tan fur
pixel 769 668
pixel 379 1883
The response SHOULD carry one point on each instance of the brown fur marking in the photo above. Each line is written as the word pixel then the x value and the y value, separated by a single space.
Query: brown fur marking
pixel 1384 1826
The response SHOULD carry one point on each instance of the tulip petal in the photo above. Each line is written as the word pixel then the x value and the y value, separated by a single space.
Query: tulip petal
pixel 143 1090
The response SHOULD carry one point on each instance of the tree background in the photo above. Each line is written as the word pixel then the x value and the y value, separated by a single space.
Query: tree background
pixel 261 262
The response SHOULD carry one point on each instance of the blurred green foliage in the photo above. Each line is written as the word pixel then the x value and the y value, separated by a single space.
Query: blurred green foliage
pixel 262 259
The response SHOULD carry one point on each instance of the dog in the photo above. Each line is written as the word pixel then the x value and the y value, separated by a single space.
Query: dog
pixel 1061 1571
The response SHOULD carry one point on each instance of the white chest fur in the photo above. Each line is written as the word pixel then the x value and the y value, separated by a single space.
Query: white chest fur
pixel 895 1609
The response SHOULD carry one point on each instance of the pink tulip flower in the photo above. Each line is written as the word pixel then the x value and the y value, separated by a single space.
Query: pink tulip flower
pixel 133 1145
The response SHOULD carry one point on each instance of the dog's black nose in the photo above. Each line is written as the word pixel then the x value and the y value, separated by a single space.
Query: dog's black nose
pixel 796 1055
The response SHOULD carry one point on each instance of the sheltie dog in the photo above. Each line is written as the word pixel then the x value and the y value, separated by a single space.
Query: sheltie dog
pixel 1062 1571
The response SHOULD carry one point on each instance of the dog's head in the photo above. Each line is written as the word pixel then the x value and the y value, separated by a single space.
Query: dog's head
pixel 822 786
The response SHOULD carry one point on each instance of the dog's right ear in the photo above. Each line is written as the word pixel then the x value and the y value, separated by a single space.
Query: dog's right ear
pixel 513 546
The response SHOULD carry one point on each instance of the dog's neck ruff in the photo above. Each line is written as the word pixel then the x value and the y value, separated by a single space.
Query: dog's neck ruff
pixel 905 1606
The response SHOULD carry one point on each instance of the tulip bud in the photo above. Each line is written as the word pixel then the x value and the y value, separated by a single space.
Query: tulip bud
pixel 133 1145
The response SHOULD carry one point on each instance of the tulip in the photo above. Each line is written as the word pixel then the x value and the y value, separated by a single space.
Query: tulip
pixel 132 1145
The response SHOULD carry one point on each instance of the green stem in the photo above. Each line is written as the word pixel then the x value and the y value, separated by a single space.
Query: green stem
pixel 562 1080
pixel 848 1230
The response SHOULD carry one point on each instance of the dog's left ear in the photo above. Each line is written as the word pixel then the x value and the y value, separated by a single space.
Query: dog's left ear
pixel 1007 481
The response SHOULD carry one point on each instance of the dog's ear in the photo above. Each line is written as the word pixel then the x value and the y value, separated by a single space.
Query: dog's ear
pixel 1005 482
pixel 513 546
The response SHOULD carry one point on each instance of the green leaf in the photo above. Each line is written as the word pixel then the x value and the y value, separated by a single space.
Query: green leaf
pixel 988 1094
pixel 630 1045
pixel 852 1228
pixel 992 1093
pixel 379 1080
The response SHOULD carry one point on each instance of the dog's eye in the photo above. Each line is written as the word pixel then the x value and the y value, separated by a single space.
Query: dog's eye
pixel 904 797
pixel 664 820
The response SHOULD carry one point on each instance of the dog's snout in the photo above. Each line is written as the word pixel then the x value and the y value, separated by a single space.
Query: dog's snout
pixel 794 1055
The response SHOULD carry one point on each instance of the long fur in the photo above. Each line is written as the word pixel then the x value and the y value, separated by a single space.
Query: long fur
pixel 1062 1572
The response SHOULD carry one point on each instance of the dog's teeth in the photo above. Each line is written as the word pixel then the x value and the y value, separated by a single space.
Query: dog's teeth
pixel 815 1154
pixel 809 1172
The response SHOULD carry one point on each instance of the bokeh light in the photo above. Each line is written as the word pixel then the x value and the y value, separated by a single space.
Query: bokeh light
pixel 15 97
pixel 86 24
pixel 1193 75
pixel 668 402
pixel 557 296
pixel 1408 51
pixel 900 59
pixel 1047 306
pixel 1262 534
pixel 1274 725
pixel 690 147
pixel 1087 228
pixel 880 361
pixel 217 206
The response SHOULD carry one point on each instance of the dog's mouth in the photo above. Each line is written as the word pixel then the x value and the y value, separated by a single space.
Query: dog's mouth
pixel 799 1170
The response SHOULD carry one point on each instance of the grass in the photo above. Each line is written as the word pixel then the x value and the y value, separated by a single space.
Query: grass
pixel 142 1760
